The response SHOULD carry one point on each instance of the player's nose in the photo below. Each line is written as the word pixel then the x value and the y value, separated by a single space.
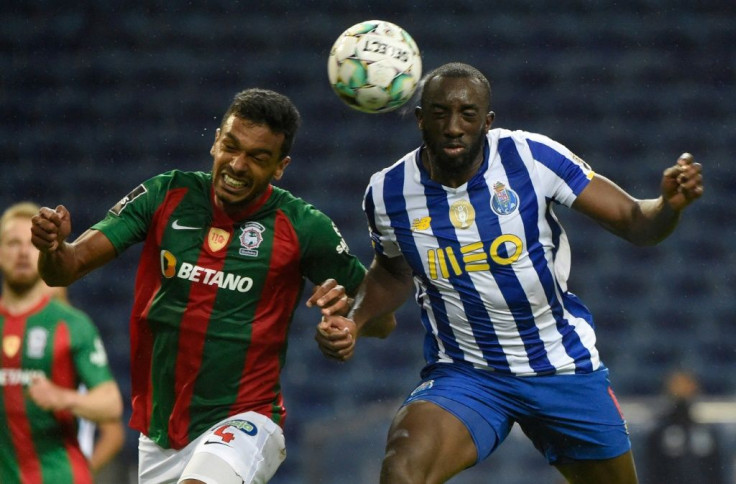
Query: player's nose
pixel 453 127
pixel 239 164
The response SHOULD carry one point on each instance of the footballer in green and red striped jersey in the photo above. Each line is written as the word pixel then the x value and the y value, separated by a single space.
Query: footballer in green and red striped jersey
pixel 225 258
pixel 48 350
pixel 214 298
pixel 60 342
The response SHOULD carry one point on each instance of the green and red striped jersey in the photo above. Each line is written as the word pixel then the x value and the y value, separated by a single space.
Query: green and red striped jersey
pixel 214 298
pixel 54 339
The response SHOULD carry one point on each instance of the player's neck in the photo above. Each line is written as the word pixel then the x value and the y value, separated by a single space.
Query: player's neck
pixel 449 177
pixel 240 211
pixel 17 301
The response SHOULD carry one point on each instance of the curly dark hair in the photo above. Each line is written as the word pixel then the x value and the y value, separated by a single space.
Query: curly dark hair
pixel 267 107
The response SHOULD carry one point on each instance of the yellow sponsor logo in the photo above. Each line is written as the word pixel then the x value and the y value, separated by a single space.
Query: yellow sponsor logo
pixel 444 262
pixel 168 264
pixel 420 223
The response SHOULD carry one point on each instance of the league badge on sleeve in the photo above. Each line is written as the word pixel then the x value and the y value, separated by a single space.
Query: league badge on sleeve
pixel 127 199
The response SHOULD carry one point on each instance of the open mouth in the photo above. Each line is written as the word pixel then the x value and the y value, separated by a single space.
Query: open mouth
pixel 232 182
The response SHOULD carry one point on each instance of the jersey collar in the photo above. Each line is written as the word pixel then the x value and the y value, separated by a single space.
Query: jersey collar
pixel 220 216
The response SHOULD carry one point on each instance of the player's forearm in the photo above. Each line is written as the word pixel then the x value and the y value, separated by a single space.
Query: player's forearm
pixel 58 268
pixel 379 296
pixel 101 403
pixel 379 327
pixel 108 444
pixel 70 262
pixel 653 221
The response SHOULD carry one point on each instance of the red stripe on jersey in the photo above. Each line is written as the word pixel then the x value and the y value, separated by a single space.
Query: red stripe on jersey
pixel 192 334
pixel 262 368
pixel 147 283
pixel 20 429
pixel 63 374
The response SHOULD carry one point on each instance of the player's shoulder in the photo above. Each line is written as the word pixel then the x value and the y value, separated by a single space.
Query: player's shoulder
pixel 293 207
pixel 519 135
pixel 180 179
pixel 533 146
pixel 405 164
pixel 66 312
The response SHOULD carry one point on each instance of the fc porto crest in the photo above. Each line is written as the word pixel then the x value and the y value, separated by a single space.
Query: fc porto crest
pixel 504 200
pixel 251 238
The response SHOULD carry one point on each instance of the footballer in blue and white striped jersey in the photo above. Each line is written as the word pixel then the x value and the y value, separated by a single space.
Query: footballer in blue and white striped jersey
pixel 490 258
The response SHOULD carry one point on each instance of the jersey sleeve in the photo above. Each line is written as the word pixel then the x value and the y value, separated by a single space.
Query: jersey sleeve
pixel 569 173
pixel 379 226
pixel 128 221
pixel 325 254
pixel 89 355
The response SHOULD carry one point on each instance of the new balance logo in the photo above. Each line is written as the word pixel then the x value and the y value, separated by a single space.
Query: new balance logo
pixel 177 226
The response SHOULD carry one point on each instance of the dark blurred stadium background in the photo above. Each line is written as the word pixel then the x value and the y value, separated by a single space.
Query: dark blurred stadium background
pixel 96 97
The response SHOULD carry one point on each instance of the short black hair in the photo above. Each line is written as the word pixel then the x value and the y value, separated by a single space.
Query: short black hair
pixel 457 70
pixel 267 107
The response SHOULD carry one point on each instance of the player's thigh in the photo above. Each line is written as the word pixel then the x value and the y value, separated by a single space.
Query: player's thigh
pixel 426 444
pixel 619 470
pixel 251 445
pixel 157 465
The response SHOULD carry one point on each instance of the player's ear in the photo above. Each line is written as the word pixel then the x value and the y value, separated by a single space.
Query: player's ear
pixel 489 119
pixel 418 115
pixel 281 167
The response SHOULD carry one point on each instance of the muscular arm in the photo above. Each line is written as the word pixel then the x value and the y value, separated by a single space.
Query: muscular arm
pixel 61 263
pixel 643 222
pixel 100 403
pixel 385 288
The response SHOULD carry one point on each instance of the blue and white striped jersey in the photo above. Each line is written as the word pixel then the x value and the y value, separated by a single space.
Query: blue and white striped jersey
pixel 490 258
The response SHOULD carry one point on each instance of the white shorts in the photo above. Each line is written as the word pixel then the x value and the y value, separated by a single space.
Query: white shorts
pixel 251 445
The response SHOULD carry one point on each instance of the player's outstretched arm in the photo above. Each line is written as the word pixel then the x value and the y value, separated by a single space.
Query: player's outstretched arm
pixel 61 263
pixel 103 402
pixel 386 286
pixel 643 222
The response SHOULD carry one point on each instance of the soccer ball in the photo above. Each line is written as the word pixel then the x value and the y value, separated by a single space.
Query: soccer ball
pixel 374 66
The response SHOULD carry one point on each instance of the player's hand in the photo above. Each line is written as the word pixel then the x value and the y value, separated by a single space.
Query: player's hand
pixel 682 183
pixel 50 228
pixel 336 337
pixel 49 396
pixel 331 298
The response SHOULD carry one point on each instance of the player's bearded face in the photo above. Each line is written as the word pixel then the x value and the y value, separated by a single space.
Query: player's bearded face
pixel 454 120
pixel 247 157
pixel 18 256
pixel 454 154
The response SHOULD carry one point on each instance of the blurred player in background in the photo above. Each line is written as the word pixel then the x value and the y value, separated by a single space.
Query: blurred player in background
pixel 222 269
pixel 469 217
pixel 680 449
pixel 100 441
pixel 49 349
